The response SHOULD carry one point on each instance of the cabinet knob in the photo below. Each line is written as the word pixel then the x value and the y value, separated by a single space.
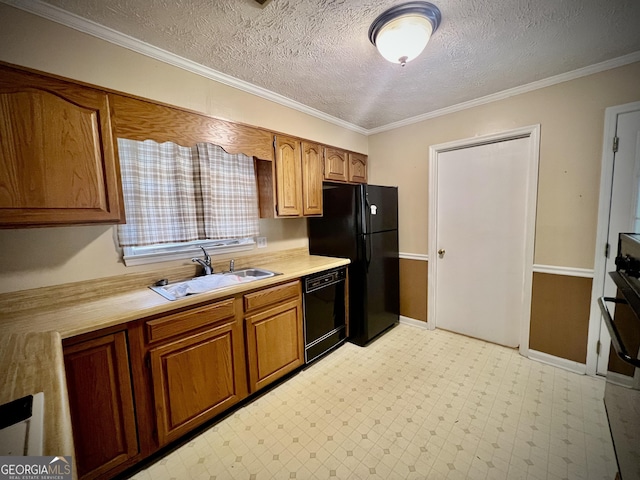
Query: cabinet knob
pixel 441 252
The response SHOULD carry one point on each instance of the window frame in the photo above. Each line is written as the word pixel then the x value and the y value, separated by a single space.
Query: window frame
pixel 148 254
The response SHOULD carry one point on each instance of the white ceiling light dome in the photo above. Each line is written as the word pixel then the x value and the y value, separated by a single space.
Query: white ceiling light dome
pixel 402 32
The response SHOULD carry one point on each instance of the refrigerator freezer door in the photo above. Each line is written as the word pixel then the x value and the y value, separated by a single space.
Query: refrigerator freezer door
pixel 380 208
pixel 334 233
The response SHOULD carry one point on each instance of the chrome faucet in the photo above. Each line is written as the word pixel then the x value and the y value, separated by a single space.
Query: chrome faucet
pixel 232 265
pixel 206 263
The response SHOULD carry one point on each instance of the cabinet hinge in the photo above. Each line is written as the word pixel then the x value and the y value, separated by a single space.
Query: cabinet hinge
pixel 598 345
pixel 607 250
pixel 615 144
pixel 147 362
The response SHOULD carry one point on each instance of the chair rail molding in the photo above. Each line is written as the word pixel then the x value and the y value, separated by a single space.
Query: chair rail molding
pixel 414 256
pixel 566 271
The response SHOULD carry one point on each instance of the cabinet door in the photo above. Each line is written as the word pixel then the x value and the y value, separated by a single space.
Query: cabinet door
pixel 57 160
pixel 196 378
pixel 275 344
pixel 357 168
pixel 101 403
pixel 288 177
pixel 335 165
pixel 312 166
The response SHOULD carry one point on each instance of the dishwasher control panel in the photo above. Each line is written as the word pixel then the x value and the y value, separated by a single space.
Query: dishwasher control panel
pixel 313 282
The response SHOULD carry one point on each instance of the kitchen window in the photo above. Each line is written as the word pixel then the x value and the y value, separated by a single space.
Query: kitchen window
pixel 180 198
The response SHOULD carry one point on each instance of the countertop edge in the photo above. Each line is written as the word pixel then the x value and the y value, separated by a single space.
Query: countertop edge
pixel 31 349
pixel 89 316
pixel 36 364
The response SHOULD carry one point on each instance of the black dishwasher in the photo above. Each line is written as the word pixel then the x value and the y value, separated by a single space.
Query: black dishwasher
pixel 324 312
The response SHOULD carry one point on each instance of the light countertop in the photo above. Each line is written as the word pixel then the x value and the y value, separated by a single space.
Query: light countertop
pixel 32 363
pixel 34 322
pixel 73 318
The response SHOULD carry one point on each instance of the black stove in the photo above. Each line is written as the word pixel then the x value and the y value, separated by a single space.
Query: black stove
pixel 622 391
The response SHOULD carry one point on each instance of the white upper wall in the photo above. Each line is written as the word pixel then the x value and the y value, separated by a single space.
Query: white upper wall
pixel 571 115
pixel 31 258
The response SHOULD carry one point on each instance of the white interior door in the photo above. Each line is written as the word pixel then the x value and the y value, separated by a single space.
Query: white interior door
pixel 624 211
pixel 484 239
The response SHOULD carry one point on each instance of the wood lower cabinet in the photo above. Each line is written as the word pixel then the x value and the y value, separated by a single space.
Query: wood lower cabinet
pixel 57 155
pixel 274 333
pixel 101 404
pixel 198 376
pixel 185 368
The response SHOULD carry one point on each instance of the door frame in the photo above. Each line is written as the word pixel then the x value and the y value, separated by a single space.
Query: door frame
pixel 602 234
pixel 533 133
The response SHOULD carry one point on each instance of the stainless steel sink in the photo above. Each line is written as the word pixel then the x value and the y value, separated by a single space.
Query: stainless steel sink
pixel 253 272
pixel 210 283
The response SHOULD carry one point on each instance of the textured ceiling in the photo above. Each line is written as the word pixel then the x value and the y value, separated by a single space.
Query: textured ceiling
pixel 317 52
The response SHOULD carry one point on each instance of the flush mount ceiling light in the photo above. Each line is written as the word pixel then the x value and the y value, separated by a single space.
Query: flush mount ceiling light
pixel 402 32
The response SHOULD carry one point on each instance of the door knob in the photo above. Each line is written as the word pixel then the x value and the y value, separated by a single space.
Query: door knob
pixel 441 252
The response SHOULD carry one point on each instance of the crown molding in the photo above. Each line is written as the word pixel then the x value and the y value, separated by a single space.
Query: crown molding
pixel 58 15
pixel 529 87
pixel 110 35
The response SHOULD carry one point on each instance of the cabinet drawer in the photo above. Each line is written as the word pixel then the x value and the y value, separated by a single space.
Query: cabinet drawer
pixel 272 295
pixel 183 322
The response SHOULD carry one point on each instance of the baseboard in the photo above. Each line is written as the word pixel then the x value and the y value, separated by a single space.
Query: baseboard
pixel 563 363
pixel 619 379
pixel 413 322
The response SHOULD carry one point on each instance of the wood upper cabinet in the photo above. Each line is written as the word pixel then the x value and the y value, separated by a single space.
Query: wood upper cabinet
pixel 140 119
pixel 335 165
pixel 312 168
pixel 196 376
pixel 288 177
pixel 275 343
pixel 298 173
pixel 57 156
pixel 101 404
pixel 357 168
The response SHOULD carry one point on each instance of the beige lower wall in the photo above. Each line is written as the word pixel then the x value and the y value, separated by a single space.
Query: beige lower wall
pixel 31 258
pixel 560 308
pixel 413 289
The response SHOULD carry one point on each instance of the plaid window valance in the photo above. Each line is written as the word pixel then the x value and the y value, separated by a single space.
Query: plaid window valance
pixel 180 194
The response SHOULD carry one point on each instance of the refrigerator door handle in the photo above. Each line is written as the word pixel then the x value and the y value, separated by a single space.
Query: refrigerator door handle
pixel 364 213
pixel 367 250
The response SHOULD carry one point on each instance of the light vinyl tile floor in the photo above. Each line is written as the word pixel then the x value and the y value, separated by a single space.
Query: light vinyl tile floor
pixel 414 404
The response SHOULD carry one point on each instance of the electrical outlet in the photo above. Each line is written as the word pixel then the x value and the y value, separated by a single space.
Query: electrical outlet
pixel 262 242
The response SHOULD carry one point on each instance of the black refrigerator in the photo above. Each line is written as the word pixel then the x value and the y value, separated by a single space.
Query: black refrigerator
pixel 360 222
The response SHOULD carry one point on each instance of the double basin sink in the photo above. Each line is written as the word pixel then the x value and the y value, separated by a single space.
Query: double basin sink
pixel 208 283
